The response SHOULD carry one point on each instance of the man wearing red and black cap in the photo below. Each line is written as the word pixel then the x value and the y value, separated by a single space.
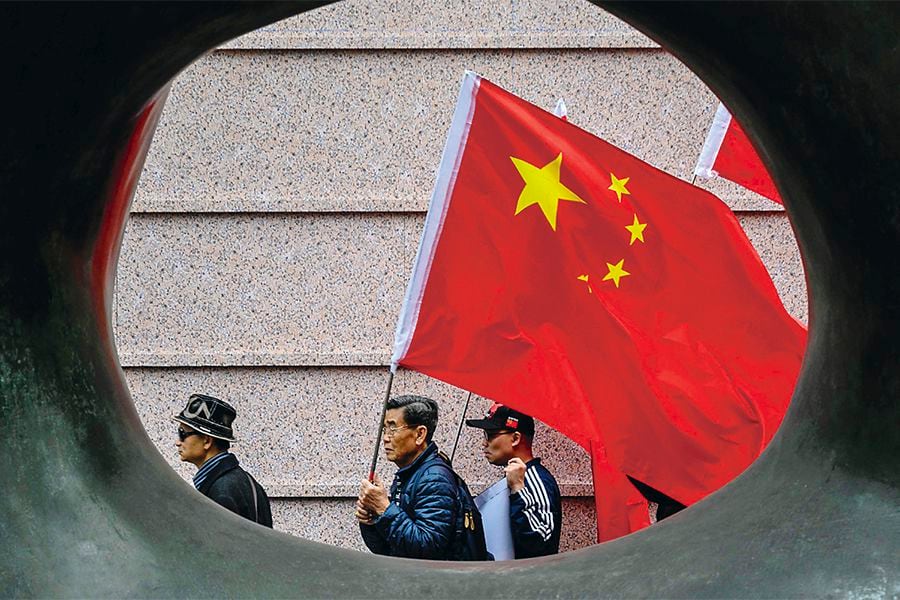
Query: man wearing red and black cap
pixel 535 506
pixel 204 438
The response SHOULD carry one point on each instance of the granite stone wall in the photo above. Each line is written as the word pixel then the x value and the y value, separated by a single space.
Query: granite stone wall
pixel 279 212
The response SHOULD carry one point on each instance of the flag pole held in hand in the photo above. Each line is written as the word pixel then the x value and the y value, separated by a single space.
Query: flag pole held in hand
pixel 387 396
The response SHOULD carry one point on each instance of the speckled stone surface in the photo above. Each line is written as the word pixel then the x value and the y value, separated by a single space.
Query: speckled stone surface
pixel 364 131
pixel 299 289
pixel 279 289
pixel 448 24
pixel 310 431
pixel 773 239
pixel 278 214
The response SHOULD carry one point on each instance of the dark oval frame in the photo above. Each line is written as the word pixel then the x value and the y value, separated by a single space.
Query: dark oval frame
pixel 90 509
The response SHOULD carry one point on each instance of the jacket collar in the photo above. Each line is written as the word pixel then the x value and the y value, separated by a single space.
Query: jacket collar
pixel 430 450
pixel 226 464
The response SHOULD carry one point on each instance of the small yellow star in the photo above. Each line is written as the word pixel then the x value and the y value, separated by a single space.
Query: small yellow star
pixel 542 187
pixel 616 272
pixel 618 186
pixel 637 230
pixel 585 279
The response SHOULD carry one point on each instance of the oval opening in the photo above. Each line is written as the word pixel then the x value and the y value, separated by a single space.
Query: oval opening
pixel 276 222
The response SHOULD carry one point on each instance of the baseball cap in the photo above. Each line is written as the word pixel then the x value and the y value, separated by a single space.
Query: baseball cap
pixel 503 417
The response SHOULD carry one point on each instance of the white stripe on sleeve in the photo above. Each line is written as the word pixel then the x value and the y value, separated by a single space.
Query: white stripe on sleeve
pixel 540 515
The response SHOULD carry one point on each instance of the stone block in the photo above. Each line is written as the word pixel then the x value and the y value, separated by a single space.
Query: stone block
pixel 310 432
pixel 364 131
pixel 435 24
pixel 300 289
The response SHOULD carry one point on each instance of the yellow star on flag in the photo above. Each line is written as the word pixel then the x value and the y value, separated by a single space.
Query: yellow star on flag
pixel 616 272
pixel 618 186
pixel 637 230
pixel 586 279
pixel 542 187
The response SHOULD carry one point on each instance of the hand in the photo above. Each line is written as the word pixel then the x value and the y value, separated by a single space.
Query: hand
pixel 363 515
pixel 373 497
pixel 515 474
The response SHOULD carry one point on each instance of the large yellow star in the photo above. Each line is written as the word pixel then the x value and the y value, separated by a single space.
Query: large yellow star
pixel 618 186
pixel 616 272
pixel 637 230
pixel 542 187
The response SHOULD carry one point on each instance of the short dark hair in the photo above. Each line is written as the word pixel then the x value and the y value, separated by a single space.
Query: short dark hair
pixel 222 445
pixel 417 410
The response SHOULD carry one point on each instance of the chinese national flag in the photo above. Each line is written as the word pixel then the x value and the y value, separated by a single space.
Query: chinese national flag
pixel 727 152
pixel 623 307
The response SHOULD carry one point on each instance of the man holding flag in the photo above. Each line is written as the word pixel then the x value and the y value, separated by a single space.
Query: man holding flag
pixel 417 520
pixel 428 513
pixel 623 307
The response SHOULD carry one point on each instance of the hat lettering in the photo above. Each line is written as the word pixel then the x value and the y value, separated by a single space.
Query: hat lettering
pixel 209 415
pixel 201 407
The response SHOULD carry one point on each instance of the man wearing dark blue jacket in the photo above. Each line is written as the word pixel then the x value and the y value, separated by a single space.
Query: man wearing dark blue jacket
pixel 418 519
pixel 535 506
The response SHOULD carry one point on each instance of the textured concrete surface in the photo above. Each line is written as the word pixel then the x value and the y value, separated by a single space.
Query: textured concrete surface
pixel 363 131
pixel 263 289
pixel 281 206
pixel 773 239
pixel 300 289
pixel 457 24
pixel 309 431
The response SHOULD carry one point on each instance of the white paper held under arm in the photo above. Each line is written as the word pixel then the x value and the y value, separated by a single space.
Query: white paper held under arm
pixel 493 503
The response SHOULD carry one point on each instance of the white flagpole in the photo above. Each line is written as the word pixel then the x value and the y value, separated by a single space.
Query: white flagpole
pixel 434 221
pixel 560 110
pixel 713 143
pixel 437 211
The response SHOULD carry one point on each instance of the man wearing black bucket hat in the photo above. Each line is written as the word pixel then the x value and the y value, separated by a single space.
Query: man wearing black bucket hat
pixel 535 506
pixel 204 439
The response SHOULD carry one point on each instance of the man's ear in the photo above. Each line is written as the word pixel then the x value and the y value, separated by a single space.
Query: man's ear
pixel 207 442
pixel 516 438
pixel 422 431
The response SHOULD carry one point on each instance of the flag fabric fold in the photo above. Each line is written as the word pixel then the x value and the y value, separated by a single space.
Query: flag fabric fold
pixel 727 152
pixel 623 307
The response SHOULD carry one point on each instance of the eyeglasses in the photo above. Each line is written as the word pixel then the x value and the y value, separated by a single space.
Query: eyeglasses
pixel 489 435
pixel 183 435
pixel 389 432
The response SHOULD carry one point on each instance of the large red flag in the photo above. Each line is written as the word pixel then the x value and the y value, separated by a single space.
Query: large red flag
pixel 621 306
pixel 727 152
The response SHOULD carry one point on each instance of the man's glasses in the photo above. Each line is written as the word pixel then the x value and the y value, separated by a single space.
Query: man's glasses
pixel 489 435
pixel 389 432
pixel 183 435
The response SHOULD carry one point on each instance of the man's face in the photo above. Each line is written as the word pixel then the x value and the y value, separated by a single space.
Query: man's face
pixel 498 446
pixel 402 442
pixel 192 448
